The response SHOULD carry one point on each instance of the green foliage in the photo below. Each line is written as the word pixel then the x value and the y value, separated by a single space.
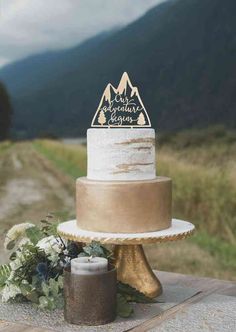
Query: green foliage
pixel 5 271
pixel 127 294
pixel 32 269
pixel 123 308
pixel 34 273
pixel 95 249
pixel 133 295
pixel 29 256
pixel 52 297
pixel 34 234
pixel 11 245
pixel 29 291
pixel 40 280
pixel 49 227
pixel 5 113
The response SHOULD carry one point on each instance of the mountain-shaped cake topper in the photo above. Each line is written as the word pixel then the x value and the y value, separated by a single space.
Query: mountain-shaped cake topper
pixel 121 107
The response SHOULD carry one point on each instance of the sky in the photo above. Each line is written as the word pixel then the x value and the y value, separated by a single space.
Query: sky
pixel 34 26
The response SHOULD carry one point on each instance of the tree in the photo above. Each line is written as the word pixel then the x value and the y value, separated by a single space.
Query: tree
pixel 5 113
pixel 102 118
pixel 141 119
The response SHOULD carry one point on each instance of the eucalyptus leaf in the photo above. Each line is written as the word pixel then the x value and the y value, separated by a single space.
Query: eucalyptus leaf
pixel 74 249
pixel 83 254
pixel 123 308
pixel 12 256
pixel 59 301
pixel 53 286
pixel 97 250
pixel 50 228
pixel 44 221
pixel 11 245
pixel 25 287
pixel 60 282
pixel 132 294
pixel 33 297
pixel 34 234
pixel 43 302
pixel 45 289
pixel 29 292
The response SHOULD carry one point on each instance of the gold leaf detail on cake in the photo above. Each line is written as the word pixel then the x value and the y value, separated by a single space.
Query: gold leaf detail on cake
pixel 142 148
pixel 127 168
pixel 138 140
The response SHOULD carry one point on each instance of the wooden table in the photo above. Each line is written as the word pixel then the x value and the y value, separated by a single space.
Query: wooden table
pixel 204 287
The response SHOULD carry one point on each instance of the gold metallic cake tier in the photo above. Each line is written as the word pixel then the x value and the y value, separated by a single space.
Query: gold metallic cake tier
pixel 123 207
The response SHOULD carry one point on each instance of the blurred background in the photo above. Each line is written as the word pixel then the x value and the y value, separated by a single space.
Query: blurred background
pixel 56 58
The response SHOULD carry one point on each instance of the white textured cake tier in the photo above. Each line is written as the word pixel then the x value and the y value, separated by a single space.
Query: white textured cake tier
pixel 121 154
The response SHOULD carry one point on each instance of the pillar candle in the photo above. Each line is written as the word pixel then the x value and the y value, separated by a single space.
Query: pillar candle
pixel 89 265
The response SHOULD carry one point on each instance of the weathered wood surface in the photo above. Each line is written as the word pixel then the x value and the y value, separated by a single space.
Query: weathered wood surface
pixel 223 287
pixel 13 327
pixel 204 286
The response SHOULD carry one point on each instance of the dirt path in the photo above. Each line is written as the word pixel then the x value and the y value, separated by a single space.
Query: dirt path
pixel 30 188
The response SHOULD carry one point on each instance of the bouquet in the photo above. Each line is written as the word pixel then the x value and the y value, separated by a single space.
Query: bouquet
pixel 38 258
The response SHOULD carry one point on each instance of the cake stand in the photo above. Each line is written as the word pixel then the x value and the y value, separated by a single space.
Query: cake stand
pixel 132 265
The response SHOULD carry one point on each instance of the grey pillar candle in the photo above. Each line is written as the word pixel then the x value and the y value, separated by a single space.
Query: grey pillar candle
pixel 89 265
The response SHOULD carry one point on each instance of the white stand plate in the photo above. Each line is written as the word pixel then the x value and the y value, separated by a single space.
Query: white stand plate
pixel 178 230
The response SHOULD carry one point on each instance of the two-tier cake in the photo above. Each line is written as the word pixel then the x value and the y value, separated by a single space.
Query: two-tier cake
pixel 121 192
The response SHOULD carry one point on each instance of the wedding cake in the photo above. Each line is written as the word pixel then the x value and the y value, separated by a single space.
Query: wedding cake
pixel 121 193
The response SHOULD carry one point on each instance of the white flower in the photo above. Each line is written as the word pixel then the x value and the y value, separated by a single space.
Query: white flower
pixel 16 264
pixel 9 292
pixel 16 232
pixel 52 246
pixel 54 258
pixel 21 257
pixel 51 243
pixel 11 276
pixel 23 241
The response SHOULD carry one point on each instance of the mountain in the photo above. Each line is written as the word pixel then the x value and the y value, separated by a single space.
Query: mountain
pixel 29 75
pixel 181 55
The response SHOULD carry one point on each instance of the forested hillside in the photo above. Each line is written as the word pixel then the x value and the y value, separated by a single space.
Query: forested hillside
pixel 5 113
pixel 181 54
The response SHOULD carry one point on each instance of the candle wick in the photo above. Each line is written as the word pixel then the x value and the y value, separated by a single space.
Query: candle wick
pixel 90 258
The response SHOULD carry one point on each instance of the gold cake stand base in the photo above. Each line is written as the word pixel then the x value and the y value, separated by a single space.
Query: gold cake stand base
pixel 132 265
pixel 133 269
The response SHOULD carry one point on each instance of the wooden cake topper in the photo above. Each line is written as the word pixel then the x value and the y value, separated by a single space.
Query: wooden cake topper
pixel 121 107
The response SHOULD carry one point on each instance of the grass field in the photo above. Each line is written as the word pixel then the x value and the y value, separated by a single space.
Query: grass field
pixel 204 192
